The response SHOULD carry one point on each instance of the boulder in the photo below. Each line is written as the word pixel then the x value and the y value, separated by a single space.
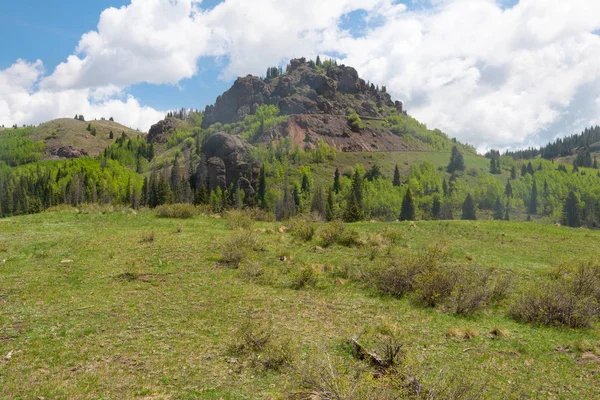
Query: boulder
pixel 68 152
pixel 159 132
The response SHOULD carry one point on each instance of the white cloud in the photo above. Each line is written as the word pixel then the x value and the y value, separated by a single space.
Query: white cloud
pixel 24 104
pixel 489 75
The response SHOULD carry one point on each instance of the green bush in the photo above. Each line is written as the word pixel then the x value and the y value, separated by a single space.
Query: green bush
pixel 238 219
pixel 181 211
pixel 236 249
pixel 302 229
pixel 337 233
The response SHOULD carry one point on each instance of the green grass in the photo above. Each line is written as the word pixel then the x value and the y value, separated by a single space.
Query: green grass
pixel 90 308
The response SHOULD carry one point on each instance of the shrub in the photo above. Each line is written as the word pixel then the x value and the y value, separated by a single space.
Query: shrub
pixel 305 276
pixel 252 335
pixel 237 219
pixel 555 303
pixel 302 229
pixel 337 233
pixel 181 211
pixel 236 248
pixel 260 215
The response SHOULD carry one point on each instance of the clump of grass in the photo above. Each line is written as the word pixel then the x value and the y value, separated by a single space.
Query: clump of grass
pixel 462 333
pixel 260 215
pixel 338 233
pixel 181 211
pixel 499 333
pixel 236 249
pixel 256 339
pixel 302 229
pixel 148 237
pixel 179 228
pixel 239 219
pixel 305 276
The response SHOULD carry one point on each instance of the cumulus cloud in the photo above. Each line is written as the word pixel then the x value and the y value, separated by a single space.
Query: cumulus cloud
pixel 490 75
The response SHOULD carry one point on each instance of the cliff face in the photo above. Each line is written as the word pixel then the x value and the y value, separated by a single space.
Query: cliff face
pixel 302 90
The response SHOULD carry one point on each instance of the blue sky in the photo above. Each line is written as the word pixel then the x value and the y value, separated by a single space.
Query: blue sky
pixel 495 73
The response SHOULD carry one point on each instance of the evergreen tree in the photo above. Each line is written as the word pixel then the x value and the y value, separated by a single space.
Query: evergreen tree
pixel 262 188
pixel 508 191
pixel 336 182
pixel 532 209
pixel 330 207
pixel 530 170
pixel 498 210
pixel 445 187
pixel 396 182
pixel 513 173
pixel 319 202
pixel 493 168
pixel 408 211
pixel 523 170
pixel 318 62
pixel 457 161
pixel 506 214
pixel 201 196
pixel 354 209
pixel 572 210
pixel 468 209
pixel 111 135
pixel 436 208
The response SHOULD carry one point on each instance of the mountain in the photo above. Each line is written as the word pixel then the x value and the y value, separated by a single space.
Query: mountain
pixel 322 102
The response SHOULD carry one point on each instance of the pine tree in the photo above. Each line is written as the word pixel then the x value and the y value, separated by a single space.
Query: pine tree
pixel 506 214
pixel 493 168
pixel 513 173
pixel 111 135
pixel 262 188
pixel 457 161
pixel 436 207
pixel 530 170
pixel 468 209
pixel 330 207
pixel 532 209
pixel 508 191
pixel 445 187
pixel 396 182
pixel 523 170
pixel 498 210
pixel 354 209
pixel 572 210
pixel 408 211
pixel 336 182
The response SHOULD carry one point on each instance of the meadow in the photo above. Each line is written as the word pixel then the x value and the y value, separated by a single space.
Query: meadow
pixel 104 303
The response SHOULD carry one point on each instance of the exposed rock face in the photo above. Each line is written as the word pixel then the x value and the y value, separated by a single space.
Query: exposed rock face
pixel 303 90
pixel 68 152
pixel 159 132
pixel 225 161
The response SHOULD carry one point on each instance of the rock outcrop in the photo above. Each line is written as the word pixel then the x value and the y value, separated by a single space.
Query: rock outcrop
pixel 302 90
pixel 159 132
pixel 225 162
pixel 67 152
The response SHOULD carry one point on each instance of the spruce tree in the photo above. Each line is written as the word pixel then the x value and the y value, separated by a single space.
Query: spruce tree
pixel 445 187
pixel 468 209
pixel 572 210
pixel 513 173
pixel 336 182
pixel 508 191
pixel 523 170
pixel 506 214
pixel 530 170
pixel 354 209
pixel 262 188
pixel 436 208
pixel 498 210
pixel 396 182
pixel 408 211
pixel 493 168
pixel 532 209
pixel 330 207
pixel 457 161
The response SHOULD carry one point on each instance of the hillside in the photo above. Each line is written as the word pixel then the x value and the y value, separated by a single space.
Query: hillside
pixel 117 304
pixel 70 138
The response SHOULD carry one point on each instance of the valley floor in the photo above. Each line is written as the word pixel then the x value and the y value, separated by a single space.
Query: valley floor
pixel 120 305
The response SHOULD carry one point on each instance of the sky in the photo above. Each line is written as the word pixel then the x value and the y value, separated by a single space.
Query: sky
pixel 494 73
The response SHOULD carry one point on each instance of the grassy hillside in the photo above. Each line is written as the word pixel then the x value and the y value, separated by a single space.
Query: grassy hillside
pixel 71 132
pixel 120 305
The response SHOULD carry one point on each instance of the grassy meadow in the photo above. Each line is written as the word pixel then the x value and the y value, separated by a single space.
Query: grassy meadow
pixel 114 304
